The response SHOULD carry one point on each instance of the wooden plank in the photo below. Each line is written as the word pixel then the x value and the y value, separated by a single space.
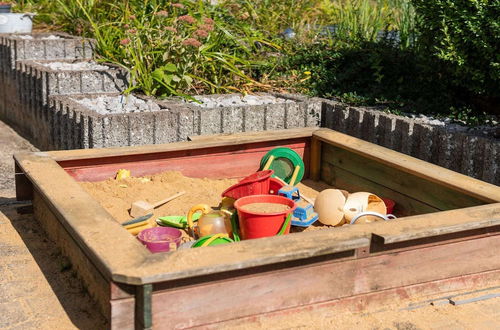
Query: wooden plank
pixel 214 164
pixel 24 188
pixel 89 225
pixel 185 264
pixel 374 300
pixel 441 223
pixel 427 191
pixel 315 159
pixel 342 179
pixel 226 140
pixel 461 183
pixel 207 303
pixel 97 285
pixel 122 314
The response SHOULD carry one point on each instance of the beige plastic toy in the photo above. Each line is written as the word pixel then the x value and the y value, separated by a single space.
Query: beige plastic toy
pixel 337 207
pixel 329 206
pixel 363 202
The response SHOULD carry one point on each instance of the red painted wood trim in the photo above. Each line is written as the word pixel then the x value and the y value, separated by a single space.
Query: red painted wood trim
pixel 217 163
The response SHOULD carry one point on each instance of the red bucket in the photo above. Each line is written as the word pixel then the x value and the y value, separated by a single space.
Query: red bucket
pixel 389 204
pixel 256 225
pixel 255 184
pixel 275 185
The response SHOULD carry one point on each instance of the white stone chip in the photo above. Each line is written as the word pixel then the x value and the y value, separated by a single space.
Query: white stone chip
pixel 118 104
pixel 237 100
pixel 77 66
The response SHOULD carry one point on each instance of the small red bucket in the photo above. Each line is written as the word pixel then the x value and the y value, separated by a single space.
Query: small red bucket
pixel 256 225
pixel 389 204
pixel 255 184
pixel 275 185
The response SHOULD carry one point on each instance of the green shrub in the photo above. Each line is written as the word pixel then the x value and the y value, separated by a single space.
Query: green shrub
pixel 465 34
pixel 374 73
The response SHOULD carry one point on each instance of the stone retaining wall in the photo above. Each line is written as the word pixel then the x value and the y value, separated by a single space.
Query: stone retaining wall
pixel 297 111
pixel 77 126
pixel 43 46
pixel 475 156
pixel 38 82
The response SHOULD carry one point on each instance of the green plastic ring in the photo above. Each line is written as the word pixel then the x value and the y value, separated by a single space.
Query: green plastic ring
pixel 291 156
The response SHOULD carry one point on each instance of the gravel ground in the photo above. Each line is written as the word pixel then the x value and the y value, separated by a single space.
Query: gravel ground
pixel 78 66
pixel 118 104
pixel 237 100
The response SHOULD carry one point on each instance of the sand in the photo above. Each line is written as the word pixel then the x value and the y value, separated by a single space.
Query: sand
pixel 265 208
pixel 116 196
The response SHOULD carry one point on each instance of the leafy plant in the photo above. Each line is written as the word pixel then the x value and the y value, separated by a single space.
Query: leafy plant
pixel 465 34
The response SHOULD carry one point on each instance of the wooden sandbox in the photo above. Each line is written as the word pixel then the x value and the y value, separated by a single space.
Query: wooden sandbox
pixel 448 242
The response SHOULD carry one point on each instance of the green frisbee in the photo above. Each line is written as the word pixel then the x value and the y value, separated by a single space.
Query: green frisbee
pixel 284 163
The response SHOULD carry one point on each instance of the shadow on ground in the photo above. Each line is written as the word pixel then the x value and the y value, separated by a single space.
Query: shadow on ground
pixel 57 270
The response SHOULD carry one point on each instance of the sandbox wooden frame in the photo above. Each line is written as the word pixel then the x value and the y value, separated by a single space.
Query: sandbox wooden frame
pixel 453 245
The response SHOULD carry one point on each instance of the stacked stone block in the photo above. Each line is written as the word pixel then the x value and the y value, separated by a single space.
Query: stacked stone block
pixel 44 46
pixel 475 156
pixel 295 111
pixel 74 125
pixel 38 82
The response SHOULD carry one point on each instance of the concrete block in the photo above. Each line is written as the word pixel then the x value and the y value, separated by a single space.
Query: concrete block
pixel 339 116
pixel 295 115
pixel 255 118
pixel 166 127
pixel 34 49
pixel 473 156
pixel 313 108
pixel 402 131
pixel 94 128
pixel 422 143
pixel 454 143
pixel 369 126
pixel 233 113
pixel 353 122
pixel 491 167
pixel 385 130
pixel 41 46
pixel 232 119
pixel 141 127
pixel 116 131
pixel 275 116
pixel 210 121
pixel 327 110
pixel 188 124
pixel 69 82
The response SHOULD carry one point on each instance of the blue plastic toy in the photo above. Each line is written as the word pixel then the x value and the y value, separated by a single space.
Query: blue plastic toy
pixel 304 214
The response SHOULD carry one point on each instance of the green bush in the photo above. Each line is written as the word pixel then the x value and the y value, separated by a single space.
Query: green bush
pixel 465 34
pixel 374 73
